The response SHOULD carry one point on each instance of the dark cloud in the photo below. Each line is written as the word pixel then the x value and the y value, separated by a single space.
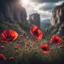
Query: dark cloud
pixel 48 7
pixel 41 1
pixel 6 1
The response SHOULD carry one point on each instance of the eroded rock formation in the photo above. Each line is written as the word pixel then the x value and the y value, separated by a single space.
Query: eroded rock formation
pixel 57 20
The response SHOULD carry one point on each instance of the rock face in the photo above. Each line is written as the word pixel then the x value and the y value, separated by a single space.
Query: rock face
pixel 35 19
pixel 57 20
pixel 58 15
pixel 12 10
pixel 13 16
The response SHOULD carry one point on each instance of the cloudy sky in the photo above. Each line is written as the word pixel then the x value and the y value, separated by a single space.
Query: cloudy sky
pixel 43 7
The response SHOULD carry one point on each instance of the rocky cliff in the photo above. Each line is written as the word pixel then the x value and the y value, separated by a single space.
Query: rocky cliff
pixel 13 16
pixel 57 20
pixel 12 10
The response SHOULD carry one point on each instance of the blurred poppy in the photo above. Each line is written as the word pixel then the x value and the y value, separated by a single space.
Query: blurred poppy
pixel 36 32
pixel 27 37
pixel 17 45
pixel 56 39
pixel 2 47
pixel 2 57
pixel 11 58
pixel 8 35
pixel 45 48
pixel 33 42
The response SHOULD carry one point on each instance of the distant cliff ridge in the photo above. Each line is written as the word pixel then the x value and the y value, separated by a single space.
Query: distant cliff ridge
pixel 13 16
pixel 58 15
pixel 12 10
pixel 57 20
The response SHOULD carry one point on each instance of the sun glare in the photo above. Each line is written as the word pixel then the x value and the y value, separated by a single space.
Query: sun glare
pixel 25 2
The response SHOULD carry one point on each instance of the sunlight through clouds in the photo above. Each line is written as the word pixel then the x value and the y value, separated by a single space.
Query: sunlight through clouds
pixel 25 2
pixel 34 7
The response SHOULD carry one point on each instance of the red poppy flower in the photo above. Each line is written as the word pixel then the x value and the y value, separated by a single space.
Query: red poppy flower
pixel 11 58
pixel 45 48
pixel 2 57
pixel 2 47
pixel 17 45
pixel 33 42
pixel 36 32
pixel 56 39
pixel 8 35
pixel 27 37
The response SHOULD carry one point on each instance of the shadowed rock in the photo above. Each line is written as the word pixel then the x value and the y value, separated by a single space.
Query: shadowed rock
pixel 12 10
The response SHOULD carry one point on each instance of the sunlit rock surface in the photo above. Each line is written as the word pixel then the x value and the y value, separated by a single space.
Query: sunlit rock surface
pixel 57 20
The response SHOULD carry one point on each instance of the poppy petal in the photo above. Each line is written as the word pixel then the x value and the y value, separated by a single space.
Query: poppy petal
pixel 2 57
pixel 17 45
pixel 56 39
pixel 2 47
pixel 33 42
pixel 27 37
pixel 11 58
pixel 8 35
pixel 45 48
pixel 36 32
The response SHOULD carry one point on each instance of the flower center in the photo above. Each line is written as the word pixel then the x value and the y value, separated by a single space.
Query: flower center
pixel 36 32
pixel 45 49
pixel 56 40
pixel 9 37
